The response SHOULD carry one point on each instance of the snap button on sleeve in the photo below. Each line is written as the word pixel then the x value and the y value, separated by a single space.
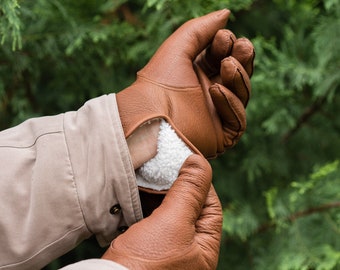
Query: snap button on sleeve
pixel 116 209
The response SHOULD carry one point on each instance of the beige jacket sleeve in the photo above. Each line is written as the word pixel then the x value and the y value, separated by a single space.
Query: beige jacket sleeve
pixel 60 176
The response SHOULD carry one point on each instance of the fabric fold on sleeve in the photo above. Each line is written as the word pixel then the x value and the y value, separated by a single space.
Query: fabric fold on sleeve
pixel 102 167
pixel 60 177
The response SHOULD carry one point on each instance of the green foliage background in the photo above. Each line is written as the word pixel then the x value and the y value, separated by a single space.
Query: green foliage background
pixel 280 186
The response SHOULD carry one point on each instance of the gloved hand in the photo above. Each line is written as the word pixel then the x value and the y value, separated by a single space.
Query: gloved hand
pixel 183 233
pixel 198 80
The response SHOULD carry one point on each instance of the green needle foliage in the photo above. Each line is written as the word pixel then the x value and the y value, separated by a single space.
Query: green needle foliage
pixel 280 186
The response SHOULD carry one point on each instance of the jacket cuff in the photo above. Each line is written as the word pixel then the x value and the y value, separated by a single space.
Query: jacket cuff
pixel 102 167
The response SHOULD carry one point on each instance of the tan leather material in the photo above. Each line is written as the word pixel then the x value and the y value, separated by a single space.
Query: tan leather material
pixel 179 107
pixel 233 76
pixel 244 52
pixel 184 232
pixel 221 46
pixel 152 191
pixel 175 85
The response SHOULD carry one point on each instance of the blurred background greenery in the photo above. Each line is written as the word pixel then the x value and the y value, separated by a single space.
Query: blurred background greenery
pixel 280 186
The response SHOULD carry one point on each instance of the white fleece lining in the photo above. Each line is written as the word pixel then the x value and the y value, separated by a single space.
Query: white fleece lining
pixel 161 171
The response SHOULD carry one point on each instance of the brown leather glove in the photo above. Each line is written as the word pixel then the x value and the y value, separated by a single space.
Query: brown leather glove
pixel 183 233
pixel 179 84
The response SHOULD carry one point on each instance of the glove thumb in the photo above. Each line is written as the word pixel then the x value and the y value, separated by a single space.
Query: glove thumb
pixel 198 33
pixel 176 54
pixel 188 194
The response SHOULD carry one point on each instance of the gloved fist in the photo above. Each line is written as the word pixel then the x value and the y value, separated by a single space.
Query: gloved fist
pixel 183 233
pixel 198 81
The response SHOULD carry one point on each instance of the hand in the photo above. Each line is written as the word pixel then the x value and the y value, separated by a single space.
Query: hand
pixel 183 233
pixel 181 88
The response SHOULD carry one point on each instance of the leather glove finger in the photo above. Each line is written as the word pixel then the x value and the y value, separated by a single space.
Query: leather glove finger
pixel 235 78
pixel 244 52
pixel 232 113
pixel 221 46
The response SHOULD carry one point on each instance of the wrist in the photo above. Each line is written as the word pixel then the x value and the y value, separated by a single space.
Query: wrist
pixel 142 143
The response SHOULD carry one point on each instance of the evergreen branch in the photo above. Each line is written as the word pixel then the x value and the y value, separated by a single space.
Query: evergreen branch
pixel 10 23
pixel 313 210
pixel 293 217
pixel 306 115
